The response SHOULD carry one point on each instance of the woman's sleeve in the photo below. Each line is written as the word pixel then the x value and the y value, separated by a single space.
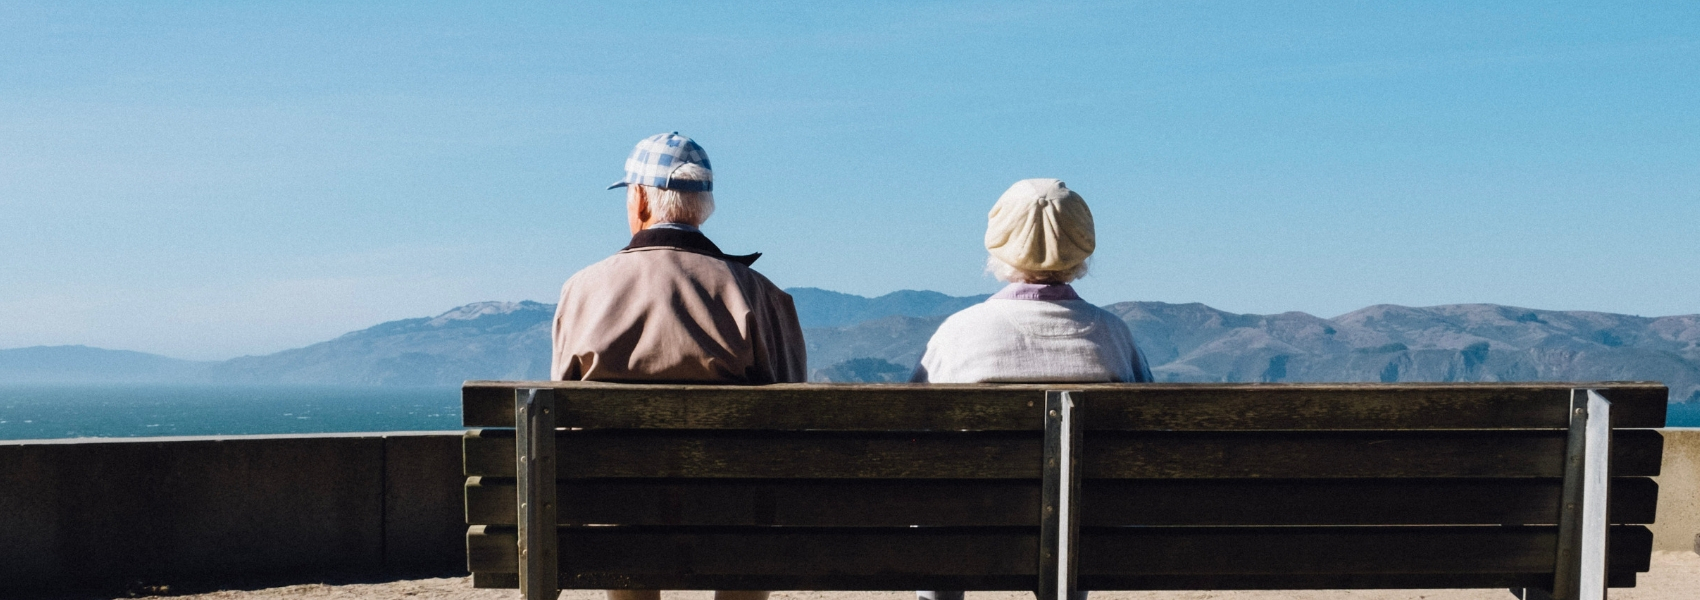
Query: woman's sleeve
pixel 1141 370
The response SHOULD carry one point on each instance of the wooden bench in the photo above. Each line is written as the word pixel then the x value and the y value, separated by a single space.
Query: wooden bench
pixel 1052 488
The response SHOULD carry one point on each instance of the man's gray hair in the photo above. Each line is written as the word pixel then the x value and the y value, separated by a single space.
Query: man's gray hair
pixel 1004 272
pixel 689 208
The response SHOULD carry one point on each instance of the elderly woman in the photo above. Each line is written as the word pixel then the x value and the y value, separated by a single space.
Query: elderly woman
pixel 1036 329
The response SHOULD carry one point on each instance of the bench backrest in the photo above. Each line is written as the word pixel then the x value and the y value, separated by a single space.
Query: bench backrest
pixel 1026 487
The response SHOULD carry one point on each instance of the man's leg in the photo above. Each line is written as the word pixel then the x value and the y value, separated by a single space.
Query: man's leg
pixel 740 595
pixel 634 594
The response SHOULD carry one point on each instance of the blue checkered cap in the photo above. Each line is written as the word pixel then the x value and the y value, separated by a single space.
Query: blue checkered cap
pixel 653 160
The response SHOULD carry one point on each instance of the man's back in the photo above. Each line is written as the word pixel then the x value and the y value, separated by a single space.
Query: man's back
pixel 664 313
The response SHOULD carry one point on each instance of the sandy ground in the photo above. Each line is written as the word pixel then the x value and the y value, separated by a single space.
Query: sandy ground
pixel 1675 576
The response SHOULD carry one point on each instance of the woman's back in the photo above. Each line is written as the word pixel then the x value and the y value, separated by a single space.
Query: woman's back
pixel 1009 340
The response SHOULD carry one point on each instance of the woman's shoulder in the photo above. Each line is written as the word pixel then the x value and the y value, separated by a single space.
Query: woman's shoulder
pixel 973 318
pixel 1110 322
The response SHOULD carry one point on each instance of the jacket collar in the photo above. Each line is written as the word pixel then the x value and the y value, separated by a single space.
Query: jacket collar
pixel 1037 291
pixel 688 241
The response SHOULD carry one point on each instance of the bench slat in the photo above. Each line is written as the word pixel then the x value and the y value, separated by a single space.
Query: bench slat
pixel 829 559
pixel 974 503
pixel 1123 502
pixel 1147 407
pixel 1395 406
pixel 995 455
pixel 1327 581
pixel 1252 550
pixel 1635 453
pixel 1382 581
pixel 1125 558
pixel 779 407
pixel 853 455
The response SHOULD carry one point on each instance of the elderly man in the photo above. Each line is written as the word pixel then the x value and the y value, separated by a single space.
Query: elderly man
pixel 671 307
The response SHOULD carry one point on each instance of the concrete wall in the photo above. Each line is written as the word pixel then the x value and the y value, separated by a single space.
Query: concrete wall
pixel 1679 492
pixel 95 511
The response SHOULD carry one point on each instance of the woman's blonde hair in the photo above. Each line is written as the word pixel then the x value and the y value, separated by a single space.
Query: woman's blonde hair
pixel 1005 272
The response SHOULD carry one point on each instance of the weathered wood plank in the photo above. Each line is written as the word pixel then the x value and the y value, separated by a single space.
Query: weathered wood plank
pixel 1327 581
pixel 1132 406
pixel 777 407
pixel 921 455
pixel 768 502
pixel 488 452
pixel 1395 406
pixel 1139 551
pixel 492 548
pixel 1116 558
pixel 1104 502
pixel 851 559
pixel 1636 453
pixel 1017 455
pixel 1625 579
pixel 495 580
pixel 1204 502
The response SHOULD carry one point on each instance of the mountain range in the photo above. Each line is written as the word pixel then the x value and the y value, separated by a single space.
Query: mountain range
pixel 854 338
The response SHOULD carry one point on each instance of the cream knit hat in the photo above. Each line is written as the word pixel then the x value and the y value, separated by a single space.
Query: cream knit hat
pixel 1040 225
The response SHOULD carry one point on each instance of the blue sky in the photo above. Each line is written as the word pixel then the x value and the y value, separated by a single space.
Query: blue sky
pixel 205 180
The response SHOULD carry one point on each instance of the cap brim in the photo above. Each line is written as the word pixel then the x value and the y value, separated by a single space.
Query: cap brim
pixel 618 184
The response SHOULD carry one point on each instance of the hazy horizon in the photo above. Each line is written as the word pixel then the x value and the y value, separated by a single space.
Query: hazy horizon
pixel 451 309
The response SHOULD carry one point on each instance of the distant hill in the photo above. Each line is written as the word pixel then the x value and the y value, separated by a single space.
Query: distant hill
pixel 53 364
pixel 821 308
pixel 852 338
pixel 898 340
pixel 486 340
pixel 1464 342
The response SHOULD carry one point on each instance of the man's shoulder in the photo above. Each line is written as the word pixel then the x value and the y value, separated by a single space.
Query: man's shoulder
pixel 647 261
pixel 654 264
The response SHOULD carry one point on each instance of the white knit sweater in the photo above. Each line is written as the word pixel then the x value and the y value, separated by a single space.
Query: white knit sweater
pixel 1032 341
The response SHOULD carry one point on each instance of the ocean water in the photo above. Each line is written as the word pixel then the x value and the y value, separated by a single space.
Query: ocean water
pixel 1683 414
pixel 68 411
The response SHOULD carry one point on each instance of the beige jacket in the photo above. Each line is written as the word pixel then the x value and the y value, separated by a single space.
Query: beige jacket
pixel 672 308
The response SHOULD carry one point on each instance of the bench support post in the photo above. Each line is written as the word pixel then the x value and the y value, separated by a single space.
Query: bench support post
pixel 1582 525
pixel 1059 522
pixel 534 423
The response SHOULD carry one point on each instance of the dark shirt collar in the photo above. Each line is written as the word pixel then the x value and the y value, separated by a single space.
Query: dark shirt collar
pixel 678 226
pixel 689 241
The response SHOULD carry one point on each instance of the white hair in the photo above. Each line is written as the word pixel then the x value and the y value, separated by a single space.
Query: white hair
pixel 674 206
pixel 1004 272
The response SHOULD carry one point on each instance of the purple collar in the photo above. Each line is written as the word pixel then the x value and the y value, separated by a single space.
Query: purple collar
pixel 1036 291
